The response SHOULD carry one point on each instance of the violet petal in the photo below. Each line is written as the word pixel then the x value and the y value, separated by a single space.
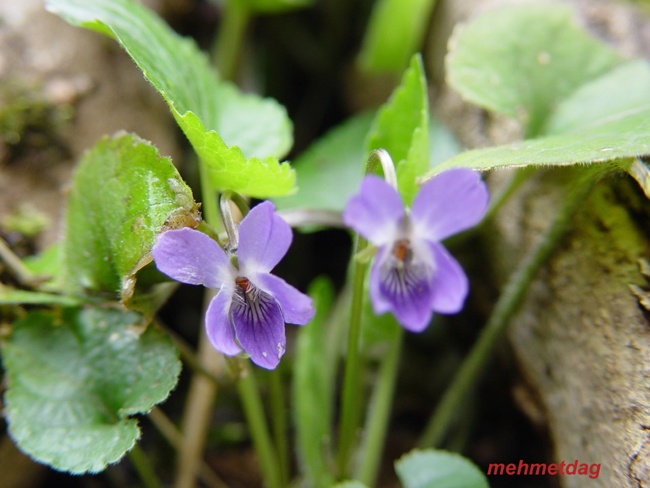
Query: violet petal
pixel 450 284
pixel 297 308
pixel 264 239
pixel 406 291
pixel 191 257
pixel 218 326
pixel 259 326
pixel 375 212
pixel 450 202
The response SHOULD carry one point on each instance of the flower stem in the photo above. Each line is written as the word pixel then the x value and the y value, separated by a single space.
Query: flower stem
pixel 350 405
pixel 202 391
pixel 169 431
pixel 198 408
pixel 504 309
pixel 209 197
pixel 252 403
pixel 144 468
pixel 227 46
pixel 279 419
pixel 379 413
pixel 380 157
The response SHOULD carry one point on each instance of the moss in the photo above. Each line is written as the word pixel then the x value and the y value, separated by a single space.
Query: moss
pixel 28 120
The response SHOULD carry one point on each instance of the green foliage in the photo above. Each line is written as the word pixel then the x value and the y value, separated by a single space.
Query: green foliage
pixel 48 266
pixel 438 469
pixel 558 100
pixel 74 380
pixel 401 128
pixel 122 194
pixel 10 296
pixel 394 33
pixel 614 95
pixel 313 385
pixel 335 162
pixel 237 136
pixel 350 484
pixel 608 139
pixel 522 60
pixel 330 171
pixel 273 6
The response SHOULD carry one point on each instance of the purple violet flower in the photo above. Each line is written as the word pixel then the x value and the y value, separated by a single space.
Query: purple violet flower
pixel 249 311
pixel 413 275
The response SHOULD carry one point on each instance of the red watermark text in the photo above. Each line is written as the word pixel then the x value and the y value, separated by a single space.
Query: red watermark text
pixel 575 468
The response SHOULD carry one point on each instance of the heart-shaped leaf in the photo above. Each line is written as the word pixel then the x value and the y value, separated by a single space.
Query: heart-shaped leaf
pixel 74 380
pixel 438 469
pixel 521 60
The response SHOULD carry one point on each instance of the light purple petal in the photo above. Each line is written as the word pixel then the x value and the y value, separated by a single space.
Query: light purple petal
pixel 406 292
pixel 259 327
pixel 189 256
pixel 297 308
pixel 217 324
pixel 450 202
pixel 375 212
pixel 264 239
pixel 450 285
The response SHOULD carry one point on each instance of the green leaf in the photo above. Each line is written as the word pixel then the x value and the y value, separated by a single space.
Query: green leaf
pixel 350 484
pixel 73 382
pixel 122 195
pixel 48 264
pixel 395 32
pixel 274 6
pixel 237 136
pixel 312 386
pixel 623 136
pixel 438 469
pixel 522 60
pixel 401 128
pixel 330 170
pixel 11 296
pixel 442 143
pixel 625 88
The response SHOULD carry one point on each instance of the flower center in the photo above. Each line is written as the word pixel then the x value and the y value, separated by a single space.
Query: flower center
pixel 251 299
pixel 402 252
pixel 252 306
pixel 243 283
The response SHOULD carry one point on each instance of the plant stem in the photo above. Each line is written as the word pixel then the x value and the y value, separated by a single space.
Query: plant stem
pixel 203 390
pixel 505 307
pixel 143 467
pixel 279 418
pixel 228 44
pixel 252 403
pixel 13 262
pixel 518 178
pixel 197 413
pixel 209 198
pixel 187 354
pixel 169 431
pixel 350 405
pixel 379 413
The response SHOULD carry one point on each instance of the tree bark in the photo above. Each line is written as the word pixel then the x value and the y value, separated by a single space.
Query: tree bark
pixel 581 337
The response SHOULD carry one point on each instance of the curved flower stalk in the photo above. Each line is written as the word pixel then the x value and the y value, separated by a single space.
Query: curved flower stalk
pixel 413 275
pixel 249 312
